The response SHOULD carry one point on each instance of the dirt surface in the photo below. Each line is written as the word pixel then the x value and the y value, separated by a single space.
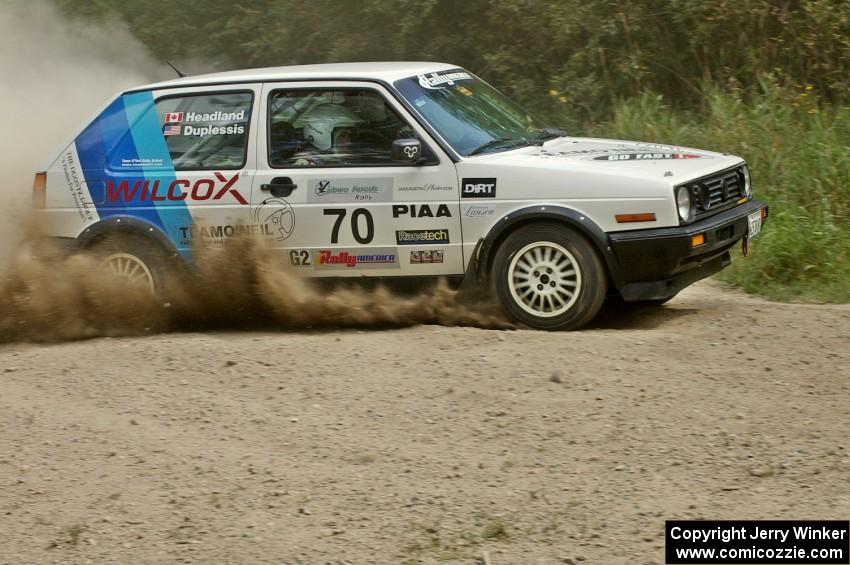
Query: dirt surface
pixel 425 444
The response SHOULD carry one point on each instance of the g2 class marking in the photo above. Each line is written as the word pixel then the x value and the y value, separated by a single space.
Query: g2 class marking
pixel 300 258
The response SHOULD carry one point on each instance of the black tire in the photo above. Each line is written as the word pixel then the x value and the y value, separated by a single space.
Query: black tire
pixel 151 257
pixel 590 278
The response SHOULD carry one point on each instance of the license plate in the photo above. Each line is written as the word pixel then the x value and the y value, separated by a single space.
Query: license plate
pixel 754 221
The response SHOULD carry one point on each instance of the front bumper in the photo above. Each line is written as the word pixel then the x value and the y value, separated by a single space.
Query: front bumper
pixel 656 264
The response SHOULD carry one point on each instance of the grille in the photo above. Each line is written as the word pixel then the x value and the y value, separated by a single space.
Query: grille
pixel 717 192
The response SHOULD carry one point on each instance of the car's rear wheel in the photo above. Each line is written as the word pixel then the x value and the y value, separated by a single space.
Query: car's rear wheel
pixel 131 268
pixel 137 260
pixel 549 277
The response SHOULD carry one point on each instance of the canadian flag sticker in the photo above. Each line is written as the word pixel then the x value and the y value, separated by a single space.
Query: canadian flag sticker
pixel 173 117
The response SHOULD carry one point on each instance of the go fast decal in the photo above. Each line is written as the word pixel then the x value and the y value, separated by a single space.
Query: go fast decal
pixel 646 156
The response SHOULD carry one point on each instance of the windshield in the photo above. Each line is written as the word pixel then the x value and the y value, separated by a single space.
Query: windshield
pixel 470 114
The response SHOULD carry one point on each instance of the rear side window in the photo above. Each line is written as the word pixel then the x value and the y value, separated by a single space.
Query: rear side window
pixel 206 131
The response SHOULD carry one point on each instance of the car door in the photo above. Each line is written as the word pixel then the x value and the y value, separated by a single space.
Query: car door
pixel 328 195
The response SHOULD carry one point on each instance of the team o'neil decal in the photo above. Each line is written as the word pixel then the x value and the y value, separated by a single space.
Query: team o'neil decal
pixel 646 156
pixel 478 188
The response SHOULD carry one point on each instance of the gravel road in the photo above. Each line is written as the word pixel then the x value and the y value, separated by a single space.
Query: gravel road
pixel 427 444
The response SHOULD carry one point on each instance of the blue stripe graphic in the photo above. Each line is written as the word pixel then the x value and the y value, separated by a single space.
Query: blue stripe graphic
pixel 124 157
pixel 146 132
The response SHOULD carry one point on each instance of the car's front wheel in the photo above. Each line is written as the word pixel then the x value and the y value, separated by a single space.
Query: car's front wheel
pixel 549 277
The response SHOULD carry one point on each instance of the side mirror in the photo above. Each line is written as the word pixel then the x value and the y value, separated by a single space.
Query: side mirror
pixel 407 151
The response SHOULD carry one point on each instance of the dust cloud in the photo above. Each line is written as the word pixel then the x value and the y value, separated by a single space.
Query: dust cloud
pixel 46 296
pixel 56 74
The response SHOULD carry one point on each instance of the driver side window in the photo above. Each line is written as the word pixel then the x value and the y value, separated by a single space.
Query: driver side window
pixel 332 128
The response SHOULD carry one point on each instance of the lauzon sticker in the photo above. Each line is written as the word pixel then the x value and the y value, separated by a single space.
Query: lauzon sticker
pixel 479 210
pixel 350 190
pixel 647 156
pixel 426 256
pixel 377 258
pixel 478 188
pixel 421 237
pixel 439 80
pixel 178 189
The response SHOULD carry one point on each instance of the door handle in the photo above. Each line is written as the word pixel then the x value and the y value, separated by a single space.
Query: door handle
pixel 280 186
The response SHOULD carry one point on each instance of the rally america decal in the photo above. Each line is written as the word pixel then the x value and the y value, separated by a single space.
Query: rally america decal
pixel 355 259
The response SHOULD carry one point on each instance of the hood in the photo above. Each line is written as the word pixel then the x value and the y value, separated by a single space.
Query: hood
pixel 621 158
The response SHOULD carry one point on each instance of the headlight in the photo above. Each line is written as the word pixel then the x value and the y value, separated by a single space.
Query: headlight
pixel 748 189
pixel 683 203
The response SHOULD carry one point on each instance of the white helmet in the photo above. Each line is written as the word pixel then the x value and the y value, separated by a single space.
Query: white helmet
pixel 320 123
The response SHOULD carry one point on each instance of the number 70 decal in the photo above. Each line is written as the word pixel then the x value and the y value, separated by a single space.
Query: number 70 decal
pixel 340 214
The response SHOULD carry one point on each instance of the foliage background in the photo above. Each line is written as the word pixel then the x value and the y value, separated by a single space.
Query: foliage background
pixel 768 80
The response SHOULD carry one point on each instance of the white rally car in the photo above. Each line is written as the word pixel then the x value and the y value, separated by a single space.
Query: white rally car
pixel 394 170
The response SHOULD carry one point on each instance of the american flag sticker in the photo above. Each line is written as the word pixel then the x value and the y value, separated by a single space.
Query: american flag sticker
pixel 173 117
pixel 171 129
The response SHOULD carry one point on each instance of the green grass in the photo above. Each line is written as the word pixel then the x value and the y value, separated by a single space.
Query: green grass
pixel 798 150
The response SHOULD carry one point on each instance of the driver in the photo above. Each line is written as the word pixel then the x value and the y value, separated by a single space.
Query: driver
pixel 328 129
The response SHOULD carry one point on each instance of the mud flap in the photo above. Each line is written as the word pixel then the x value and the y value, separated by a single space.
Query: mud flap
pixel 474 278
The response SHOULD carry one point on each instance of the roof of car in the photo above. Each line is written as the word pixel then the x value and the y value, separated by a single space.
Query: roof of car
pixel 386 71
